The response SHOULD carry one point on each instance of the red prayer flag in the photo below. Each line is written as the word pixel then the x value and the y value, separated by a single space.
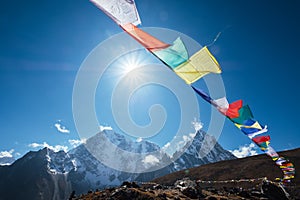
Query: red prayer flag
pixel 148 41
pixel 233 109
pixel 261 139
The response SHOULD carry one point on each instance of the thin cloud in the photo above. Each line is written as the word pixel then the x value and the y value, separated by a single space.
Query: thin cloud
pixel 6 157
pixel 55 148
pixel 150 160
pixel 7 154
pixel 17 154
pixel 76 143
pixel 245 151
pixel 103 128
pixel 167 145
pixel 60 128
pixel 186 138
pixel 167 149
pixel 197 125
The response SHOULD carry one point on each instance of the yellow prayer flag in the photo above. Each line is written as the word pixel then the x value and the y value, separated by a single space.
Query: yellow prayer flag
pixel 255 125
pixel 200 64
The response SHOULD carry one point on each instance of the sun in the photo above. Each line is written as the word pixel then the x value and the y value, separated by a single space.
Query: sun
pixel 131 61
pixel 133 68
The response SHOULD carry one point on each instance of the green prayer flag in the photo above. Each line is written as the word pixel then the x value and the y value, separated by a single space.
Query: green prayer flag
pixel 244 114
pixel 174 55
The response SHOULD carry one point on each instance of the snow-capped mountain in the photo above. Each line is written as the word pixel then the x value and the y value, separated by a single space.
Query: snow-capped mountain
pixel 6 160
pixel 46 174
pixel 204 149
pixel 90 173
pixel 6 157
pixel 36 176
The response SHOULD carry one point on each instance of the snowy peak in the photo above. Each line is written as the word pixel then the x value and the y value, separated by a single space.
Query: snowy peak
pixel 202 150
pixel 59 162
pixel 4 161
pixel 6 157
pixel 123 154
pixel 53 162
pixel 130 145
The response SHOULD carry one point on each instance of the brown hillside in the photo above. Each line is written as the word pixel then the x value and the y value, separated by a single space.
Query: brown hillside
pixel 243 168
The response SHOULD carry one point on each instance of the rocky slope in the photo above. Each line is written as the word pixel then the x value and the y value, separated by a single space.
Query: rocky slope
pixel 187 189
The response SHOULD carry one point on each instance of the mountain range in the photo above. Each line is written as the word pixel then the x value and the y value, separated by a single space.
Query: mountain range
pixel 46 174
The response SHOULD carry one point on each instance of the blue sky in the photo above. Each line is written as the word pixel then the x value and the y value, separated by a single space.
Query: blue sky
pixel 43 44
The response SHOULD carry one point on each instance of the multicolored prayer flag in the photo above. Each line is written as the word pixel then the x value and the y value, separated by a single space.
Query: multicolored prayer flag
pixel 280 161
pixel 272 153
